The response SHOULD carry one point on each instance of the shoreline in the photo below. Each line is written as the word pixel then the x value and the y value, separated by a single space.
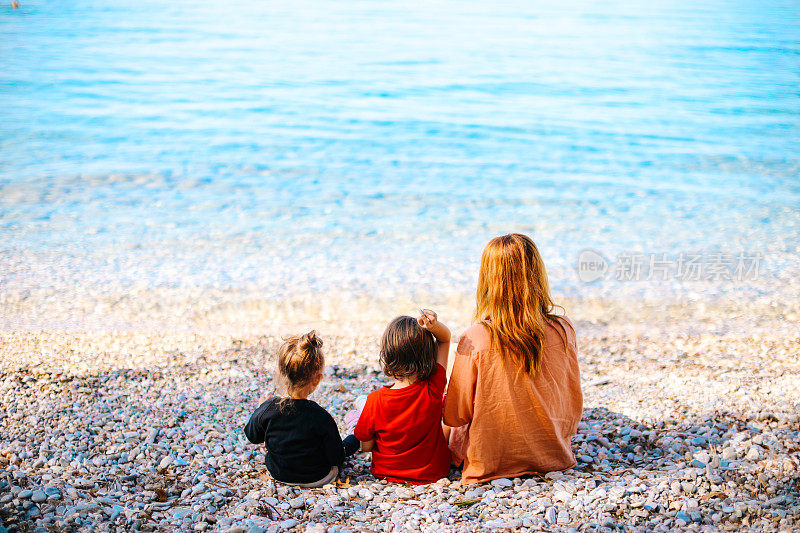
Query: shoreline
pixel 253 311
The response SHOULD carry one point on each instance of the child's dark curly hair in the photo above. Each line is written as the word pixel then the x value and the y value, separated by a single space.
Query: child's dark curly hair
pixel 407 350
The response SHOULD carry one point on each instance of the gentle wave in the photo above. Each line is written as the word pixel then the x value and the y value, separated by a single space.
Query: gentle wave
pixel 257 142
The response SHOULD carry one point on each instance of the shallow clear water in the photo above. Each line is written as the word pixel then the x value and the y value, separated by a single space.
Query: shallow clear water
pixel 367 144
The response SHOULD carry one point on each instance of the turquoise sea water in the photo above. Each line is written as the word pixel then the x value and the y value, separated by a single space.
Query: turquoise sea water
pixel 359 144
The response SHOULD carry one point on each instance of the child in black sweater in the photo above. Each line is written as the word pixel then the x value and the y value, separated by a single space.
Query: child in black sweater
pixel 303 443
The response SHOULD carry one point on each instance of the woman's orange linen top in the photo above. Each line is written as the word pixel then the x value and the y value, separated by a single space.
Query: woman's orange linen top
pixel 507 423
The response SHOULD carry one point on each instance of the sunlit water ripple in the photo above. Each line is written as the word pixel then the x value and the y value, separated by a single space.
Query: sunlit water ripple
pixel 361 144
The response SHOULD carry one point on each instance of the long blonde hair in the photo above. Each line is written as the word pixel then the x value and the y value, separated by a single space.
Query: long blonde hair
pixel 513 299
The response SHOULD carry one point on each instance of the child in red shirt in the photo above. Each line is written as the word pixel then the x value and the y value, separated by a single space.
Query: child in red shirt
pixel 401 424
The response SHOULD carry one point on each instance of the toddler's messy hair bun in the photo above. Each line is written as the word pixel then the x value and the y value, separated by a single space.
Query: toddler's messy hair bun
pixel 310 342
pixel 300 359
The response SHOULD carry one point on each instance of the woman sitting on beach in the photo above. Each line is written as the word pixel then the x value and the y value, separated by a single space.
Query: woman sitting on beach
pixel 514 396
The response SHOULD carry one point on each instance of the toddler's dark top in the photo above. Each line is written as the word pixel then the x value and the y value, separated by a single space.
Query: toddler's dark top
pixel 301 438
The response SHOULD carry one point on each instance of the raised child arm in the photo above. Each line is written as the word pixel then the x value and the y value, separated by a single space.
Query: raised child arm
pixel 428 320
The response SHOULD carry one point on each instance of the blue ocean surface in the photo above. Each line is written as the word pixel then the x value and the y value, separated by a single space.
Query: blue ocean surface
pixel 369 144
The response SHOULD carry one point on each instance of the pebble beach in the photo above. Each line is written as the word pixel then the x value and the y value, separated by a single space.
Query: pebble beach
pixel 690 423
